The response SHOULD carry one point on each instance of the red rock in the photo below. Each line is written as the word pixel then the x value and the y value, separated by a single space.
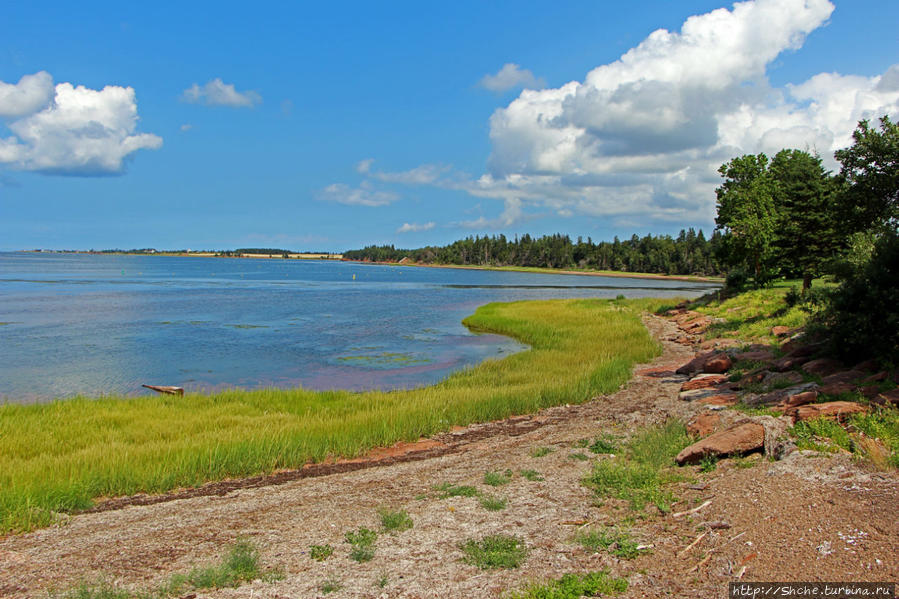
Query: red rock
pixel 656 371
pixel 754 376
pixel 889 397
pixel 876 378
pixel 722 399
pixel 833 410
pixel 685 316
pixel 822 366
pixel 787 363
pixel 710 362
pixel 845 376
pixel 837 388
pixel 780 331
pixel 703 424
pixel 718 363
pixel 866 366
pixel 763 355
pixel 799 399
pixel 740 438
pixel 870 391
pixel 781 378
pixel 703 381
pixel 675 312
pixel 718 344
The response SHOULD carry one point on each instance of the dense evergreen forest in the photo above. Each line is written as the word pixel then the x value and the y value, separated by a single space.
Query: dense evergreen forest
pixel 690 253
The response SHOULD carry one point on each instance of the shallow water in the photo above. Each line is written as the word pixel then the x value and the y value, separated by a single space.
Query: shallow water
pixel 79 324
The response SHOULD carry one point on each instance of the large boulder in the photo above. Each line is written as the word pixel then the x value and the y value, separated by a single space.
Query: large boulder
pixel 703 381
pixel 694 394
pixel 822 366
pixel 722 399
pixel 799 399
pixel 887 398
pixel 833 410
pixel 703 424
pixel 781 378
pixel 711 362
pixel 758 355
pixel 778 396
pixel 742 437
pixel 788 363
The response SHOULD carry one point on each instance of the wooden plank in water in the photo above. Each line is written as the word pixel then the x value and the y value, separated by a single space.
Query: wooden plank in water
pixel 165 389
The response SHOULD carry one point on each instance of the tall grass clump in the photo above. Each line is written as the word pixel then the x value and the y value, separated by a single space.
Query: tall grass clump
pixel 573 586
pixel 640 475
pixel 60 456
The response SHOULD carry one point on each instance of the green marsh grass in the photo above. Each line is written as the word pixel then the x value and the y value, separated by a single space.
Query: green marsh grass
pixel 64 455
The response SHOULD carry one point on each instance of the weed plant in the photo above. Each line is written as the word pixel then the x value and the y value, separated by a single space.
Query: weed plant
pixel 320 552
pixel 60 456
pixel 497 479
pixel 573 586
pixel 362 542
pixel 531 475
pixel 395 521
pixel 493 504
pixel 639 476
pixel 617 542
pixel 494 551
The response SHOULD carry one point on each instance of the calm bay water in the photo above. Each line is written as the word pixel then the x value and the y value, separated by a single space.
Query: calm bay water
pixel 78 324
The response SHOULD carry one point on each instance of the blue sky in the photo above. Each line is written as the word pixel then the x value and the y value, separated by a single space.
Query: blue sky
pixel 328 126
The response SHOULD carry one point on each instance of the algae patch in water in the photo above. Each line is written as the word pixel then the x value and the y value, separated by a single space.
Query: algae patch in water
pixel 383 360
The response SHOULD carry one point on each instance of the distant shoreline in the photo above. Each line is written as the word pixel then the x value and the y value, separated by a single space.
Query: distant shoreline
pixel 555 271
pixel 340 258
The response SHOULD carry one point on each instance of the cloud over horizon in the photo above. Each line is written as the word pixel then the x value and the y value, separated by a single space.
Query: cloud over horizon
pixel 645 134
pixel 640 139
pixel 216 92
pixel 69 130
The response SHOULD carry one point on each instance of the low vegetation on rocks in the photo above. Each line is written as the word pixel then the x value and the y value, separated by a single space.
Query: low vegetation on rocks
pixel 781 376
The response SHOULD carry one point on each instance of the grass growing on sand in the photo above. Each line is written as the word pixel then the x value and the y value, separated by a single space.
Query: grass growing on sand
pixel 62 456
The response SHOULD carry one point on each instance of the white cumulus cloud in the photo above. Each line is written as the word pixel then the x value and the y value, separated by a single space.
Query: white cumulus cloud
pixel 218 93
pixel 29 95
pixel 511 76
pixel 71 130
pixel 644 135
pixel 416 227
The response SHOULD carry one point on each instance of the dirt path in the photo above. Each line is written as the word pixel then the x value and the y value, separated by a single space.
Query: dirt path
pixel 800 519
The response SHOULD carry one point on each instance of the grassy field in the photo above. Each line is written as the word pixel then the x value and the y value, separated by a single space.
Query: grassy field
pixel 751 314
pixel 61 456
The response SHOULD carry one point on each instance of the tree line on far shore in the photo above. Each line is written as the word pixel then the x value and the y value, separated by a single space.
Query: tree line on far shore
pixel 688 253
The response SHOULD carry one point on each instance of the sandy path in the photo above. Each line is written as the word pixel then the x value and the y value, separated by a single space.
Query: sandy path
pixel 800 519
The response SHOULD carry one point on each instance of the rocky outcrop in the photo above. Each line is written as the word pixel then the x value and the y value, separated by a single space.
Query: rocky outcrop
pixel 834 410
pixel 703 424
pixel 742 437
pixel 711 363
pixel 822 366
pixel 703 381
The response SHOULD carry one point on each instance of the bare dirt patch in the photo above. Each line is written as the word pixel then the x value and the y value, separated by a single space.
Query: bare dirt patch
pixel 805 518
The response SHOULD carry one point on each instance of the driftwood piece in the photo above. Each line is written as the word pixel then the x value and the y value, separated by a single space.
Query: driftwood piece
pixel 167 389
